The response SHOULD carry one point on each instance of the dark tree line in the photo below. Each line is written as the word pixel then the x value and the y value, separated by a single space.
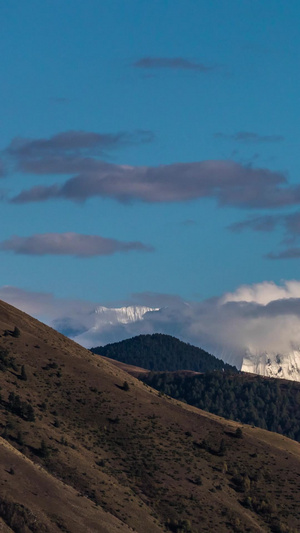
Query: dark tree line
pixel 267 403
pixel 162 353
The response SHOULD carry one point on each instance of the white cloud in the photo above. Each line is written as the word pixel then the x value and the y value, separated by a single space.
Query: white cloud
pixel 264 293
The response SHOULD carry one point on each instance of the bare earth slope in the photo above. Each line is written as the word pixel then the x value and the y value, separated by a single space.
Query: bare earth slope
pixel 98 457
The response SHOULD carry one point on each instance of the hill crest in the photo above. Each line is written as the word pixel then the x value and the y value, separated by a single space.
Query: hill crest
pixel 160 352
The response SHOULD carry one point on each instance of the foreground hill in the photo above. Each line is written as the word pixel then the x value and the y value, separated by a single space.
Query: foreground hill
pixel 160 352
pixel 86 447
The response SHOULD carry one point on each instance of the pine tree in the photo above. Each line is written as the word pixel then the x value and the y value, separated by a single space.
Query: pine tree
pixel 23 373
pixel 16 332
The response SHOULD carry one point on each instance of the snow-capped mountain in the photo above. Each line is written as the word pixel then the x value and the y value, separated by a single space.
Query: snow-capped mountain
pixel 273 365
pixel 111 324
pixel 120 315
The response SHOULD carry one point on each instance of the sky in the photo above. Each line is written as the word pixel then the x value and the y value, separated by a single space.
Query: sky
pixel 150 156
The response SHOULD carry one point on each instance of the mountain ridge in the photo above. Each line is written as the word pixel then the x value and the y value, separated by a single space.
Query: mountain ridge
pixel 161 352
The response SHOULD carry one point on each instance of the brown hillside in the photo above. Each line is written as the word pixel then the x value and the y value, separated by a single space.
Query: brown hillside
pixel 100 458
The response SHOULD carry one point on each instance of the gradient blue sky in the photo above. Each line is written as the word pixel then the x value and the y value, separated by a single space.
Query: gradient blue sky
pixel 161 82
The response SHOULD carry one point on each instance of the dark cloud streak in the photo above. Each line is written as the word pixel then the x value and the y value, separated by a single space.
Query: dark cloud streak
pixel 289 253
pixel 290 223
pixel 262 223
pixel 72 144
pixel 172 63
pixel 73 244
pixel 249 137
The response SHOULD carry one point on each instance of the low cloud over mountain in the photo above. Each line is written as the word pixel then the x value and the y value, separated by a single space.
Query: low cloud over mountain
pixel 255 318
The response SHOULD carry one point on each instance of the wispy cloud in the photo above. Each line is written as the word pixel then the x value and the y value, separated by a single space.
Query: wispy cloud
pixel 60 100
pixel 189 222
pixel 289 223
pixel 3 170
pixel 172 63
pixel 249 137
pixel 264 223
pixel 228 182
pixel 72 144
pixel 289 253
pixel 73 244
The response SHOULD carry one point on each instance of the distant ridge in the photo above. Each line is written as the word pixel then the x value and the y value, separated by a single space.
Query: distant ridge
pixel 159 352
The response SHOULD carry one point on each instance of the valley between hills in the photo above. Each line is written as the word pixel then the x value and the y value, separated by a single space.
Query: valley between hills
pixel 87 447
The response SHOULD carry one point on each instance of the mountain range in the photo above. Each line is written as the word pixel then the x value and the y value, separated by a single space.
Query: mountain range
pixel 115 324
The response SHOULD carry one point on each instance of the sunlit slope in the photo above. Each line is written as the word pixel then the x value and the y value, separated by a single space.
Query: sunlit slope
pixel 124 456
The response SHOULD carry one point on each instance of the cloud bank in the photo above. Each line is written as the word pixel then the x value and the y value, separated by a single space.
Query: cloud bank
pixel 74 244
pixel 76 158
pixel 259 317
pixel 230 183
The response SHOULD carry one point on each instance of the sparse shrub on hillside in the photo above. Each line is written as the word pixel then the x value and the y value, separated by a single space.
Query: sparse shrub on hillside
pixel 16 332
pixel 53 365
pixel 178 526
pixel 198 481
pixel 19 518
pixel 222 447
pixel 6 361
pixel 20 438
pixel 126 386
pixel 23 374
pixel 279 527
pixel 241 482
pixel 44 450
pixel 238 433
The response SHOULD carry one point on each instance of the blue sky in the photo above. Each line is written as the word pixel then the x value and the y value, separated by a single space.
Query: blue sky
pixel 125 103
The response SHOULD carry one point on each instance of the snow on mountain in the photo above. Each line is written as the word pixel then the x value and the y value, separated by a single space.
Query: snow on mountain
pixel 110 324
pixel 273 365
pixel 120 315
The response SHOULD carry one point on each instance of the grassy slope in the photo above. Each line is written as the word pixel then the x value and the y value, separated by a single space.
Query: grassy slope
pixel 128 457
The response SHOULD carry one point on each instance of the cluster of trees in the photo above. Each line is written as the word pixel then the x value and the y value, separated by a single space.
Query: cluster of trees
pixel 6 361
pixel 267 403
pixel 20 408
pixel 160 352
